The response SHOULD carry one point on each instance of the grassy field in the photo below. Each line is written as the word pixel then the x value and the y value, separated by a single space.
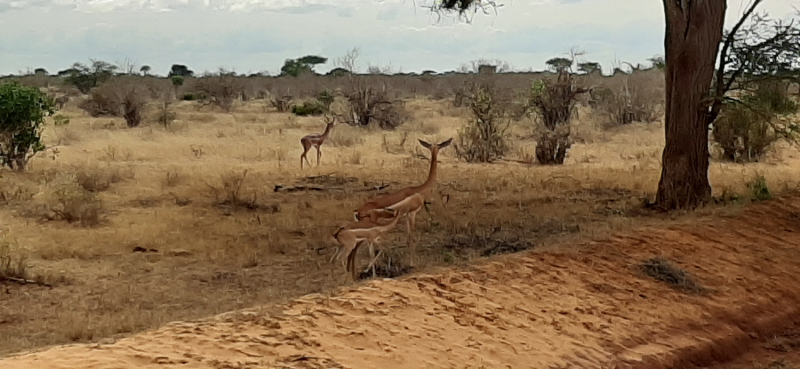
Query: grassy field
pixel 183 222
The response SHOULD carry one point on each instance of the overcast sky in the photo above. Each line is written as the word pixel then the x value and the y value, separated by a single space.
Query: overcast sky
pixel 258 35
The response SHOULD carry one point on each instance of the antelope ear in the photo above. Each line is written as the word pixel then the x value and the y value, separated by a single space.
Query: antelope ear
pixel 445 143
pixel 425 144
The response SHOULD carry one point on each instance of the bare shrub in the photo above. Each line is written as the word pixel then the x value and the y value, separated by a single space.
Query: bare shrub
pixel 164 114
pixel 554 102
pixel 282 104
pixel 123 96
pixel 461 96
pixel 484 138
pixel 392 147
pixel 221 89
pixel 627 103
pixel 345 136
pixel 746 130
pixel 101 102
pixel 229 191
pixel 13 264
pixel 371 106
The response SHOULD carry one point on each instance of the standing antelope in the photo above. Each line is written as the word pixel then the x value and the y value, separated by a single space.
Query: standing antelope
pixel 352 235
pixel 316 140
pixel 388 200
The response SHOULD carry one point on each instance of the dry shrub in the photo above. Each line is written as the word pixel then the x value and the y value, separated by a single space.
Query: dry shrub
pixel 74 204
pixel 662 270
pixel 164 116
pixel 123 96
pixel 355 158
pixel 66 136
pixel 100 179
pixel 746 130
pixel 282 104
pixel 484 138
pixel 426 128
pixel 392 147
pixel 345 136
pixel 229 192
pixel 370 106
pixel 13 264
pixel 554 102
pixel 14 191
pixel 627 104
pixel 461 96
pixel 220 89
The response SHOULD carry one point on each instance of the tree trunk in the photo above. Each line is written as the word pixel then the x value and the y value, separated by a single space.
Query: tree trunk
pixel 691 42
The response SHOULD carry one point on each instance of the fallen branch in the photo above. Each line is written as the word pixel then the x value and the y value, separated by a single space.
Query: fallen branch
pixel 25 281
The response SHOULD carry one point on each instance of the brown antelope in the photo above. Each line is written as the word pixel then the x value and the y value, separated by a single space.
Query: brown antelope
pixel 393 198
pixel 410 206
pixel 352 235
pixel 316 140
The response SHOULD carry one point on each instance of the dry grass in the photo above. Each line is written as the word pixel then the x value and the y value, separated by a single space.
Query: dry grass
pixel 218 239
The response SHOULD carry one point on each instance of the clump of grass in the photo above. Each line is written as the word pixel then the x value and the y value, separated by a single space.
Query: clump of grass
pixel 172 178
pixel 201 117
pixel 394 148
pixel 663 270
pixel 345 136
pixel 426 128
pixel 759 190
pixel 13 264
pixel 74 204
pixel 100 179
pixel 115 153
pixel 355 158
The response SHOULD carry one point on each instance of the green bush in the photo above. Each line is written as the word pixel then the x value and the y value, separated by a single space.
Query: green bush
pixel 313 107
pixel 194 96
pixel 22 112
pixel 326 97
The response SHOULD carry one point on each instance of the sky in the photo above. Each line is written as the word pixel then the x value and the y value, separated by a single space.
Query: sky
pixel 250 36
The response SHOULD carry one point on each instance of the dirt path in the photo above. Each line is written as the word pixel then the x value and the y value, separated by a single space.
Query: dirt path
pixel 587 308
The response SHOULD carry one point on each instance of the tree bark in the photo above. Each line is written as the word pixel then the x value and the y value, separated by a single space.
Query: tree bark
pixel 691 41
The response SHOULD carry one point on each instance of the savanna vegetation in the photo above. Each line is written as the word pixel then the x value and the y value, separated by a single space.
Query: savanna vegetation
pixel 137 199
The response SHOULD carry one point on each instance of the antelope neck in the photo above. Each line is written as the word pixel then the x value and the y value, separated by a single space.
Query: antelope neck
pixel 431 173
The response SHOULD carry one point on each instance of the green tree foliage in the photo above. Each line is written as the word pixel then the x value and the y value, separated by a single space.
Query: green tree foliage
pixel 177 81
pixel 40 72
pixel 85 77
pixel 658 62
pixel 313 60
pixel 306 64
pixel 588 67
pixel 145 69
pixel 22 112
pixel 559 64
pixel 179 70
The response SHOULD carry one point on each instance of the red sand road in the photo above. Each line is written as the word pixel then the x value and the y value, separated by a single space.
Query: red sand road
pixel 584 309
